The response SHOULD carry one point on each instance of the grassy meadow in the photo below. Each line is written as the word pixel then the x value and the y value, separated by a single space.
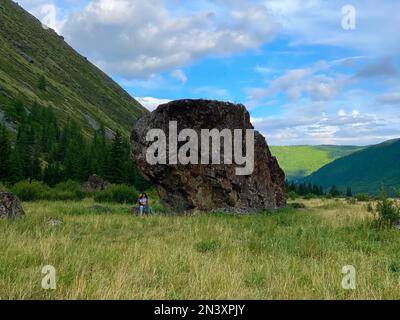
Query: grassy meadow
pixel 289 254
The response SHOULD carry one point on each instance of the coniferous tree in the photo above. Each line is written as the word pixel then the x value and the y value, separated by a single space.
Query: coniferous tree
pixel 5 153
pixel 349 193
pixel 116 160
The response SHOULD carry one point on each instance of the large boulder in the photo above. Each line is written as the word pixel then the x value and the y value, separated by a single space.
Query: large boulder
pixel 95 183
pixel 208 186
pixel 10 206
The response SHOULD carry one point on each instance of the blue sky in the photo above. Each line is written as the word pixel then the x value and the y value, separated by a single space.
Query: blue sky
pixel 303 77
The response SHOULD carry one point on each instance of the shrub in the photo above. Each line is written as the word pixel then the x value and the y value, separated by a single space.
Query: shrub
pixel 309 196
pixel 388 212
pixel 117 193
pixel 292 195
pixel 362 197
pixel 351 201
pixel 3 188
pixel 370 207
pixel 30 190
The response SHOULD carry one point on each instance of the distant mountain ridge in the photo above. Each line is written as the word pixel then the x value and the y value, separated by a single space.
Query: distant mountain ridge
pixel 364 171
pixel 38 65
pixel 301 160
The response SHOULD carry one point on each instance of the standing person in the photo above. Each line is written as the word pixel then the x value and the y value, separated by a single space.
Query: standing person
pixel 143 203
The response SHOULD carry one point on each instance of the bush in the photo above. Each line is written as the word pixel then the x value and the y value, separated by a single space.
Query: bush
pixel 361 197
pixel 292 195
pixel 117 193
pixel 309 196
pixel 3 188
pixel 30 190
pixel 351 201
pixel 35 190
pixel 388 212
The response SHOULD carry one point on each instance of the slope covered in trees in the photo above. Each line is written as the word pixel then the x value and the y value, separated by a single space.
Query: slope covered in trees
pixel 300 161
pixel 36 64
pixel 44 150
pixel 364 171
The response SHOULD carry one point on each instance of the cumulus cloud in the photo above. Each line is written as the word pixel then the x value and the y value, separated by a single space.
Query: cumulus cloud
pixel 134 39
pixel 325 128
pixel 297 83
pixel 319 22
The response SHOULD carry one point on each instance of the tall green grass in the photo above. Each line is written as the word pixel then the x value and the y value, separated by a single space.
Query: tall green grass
pixel 288 254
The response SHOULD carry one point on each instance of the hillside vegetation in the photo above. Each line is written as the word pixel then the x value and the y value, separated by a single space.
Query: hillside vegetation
pixel 300 161
pixel 295 254
pixel 38 65
pixel 364 171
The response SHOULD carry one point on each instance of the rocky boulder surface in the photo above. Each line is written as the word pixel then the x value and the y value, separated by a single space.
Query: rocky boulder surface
pixel 210 187
pixel 95 183
pixel 10 206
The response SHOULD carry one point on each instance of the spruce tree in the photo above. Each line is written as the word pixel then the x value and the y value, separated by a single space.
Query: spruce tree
pixel 5 153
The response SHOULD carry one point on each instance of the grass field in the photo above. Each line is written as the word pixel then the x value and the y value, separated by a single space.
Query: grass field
pixel 289 254
pixel 300 161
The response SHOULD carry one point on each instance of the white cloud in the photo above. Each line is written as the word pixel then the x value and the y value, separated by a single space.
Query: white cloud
pixel 179 75
pixel 137 39
pixel 319 22
pixel 151 103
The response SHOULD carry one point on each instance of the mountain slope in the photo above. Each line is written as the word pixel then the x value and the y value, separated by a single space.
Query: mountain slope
pixel 365 170
pixel 38 65
pixel 300 161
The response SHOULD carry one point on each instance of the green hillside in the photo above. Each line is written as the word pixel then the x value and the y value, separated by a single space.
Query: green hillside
pixel 300 161
pixel 365 170
pixel 38 65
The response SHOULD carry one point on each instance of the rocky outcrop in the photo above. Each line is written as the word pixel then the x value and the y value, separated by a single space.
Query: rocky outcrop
pixel 95 183
pixel 10 206
pixel 208 186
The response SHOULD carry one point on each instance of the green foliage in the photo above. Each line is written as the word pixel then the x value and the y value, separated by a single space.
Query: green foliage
pixel 300 161
pixel 118 194
pixel 387 210
pixel 361 197
pixel 36 190
pixel 334 192
pixel 3 188
pixel 292 195
pixel 309 196
pixel 364 170
pixel 45 152
pixel 30 190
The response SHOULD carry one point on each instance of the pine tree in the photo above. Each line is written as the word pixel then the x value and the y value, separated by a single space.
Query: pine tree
pixel 334 192
pixel 349 193
pixel 5 153
pixel 116 160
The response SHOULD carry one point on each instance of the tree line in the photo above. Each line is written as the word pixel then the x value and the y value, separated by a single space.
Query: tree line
pixel 303 189
pixel 43 150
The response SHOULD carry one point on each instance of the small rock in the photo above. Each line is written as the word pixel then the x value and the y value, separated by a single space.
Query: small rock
pixel 10 206
pixel 54 222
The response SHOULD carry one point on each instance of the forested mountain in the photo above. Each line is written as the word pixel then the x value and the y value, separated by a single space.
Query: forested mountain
pixel 37 65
